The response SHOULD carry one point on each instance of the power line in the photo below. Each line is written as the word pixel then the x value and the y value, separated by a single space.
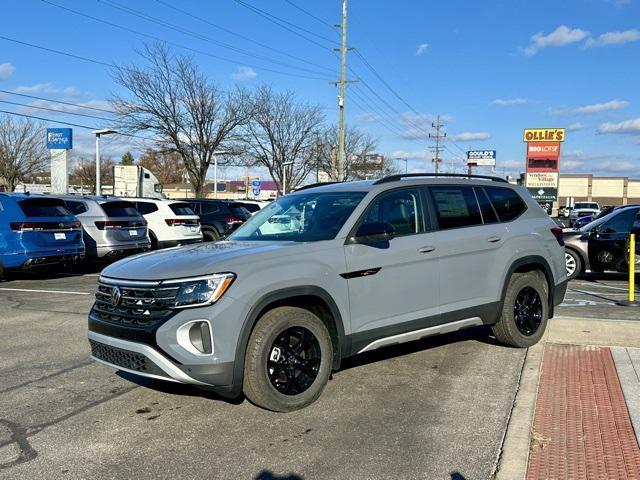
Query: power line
pixel 55 110
pixel 239 35
pixel 178 45
pixel 308 13
pixel 77 105
pixel 157 21
pixel 283 24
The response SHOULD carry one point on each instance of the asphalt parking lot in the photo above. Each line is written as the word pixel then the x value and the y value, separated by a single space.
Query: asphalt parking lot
pixel 433 409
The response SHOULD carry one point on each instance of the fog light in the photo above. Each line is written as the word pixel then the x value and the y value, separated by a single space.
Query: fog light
pixel 195 337
pixel 200 336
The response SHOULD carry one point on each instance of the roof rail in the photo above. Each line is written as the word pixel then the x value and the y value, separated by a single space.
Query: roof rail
pixel 313 185
pixel 394 178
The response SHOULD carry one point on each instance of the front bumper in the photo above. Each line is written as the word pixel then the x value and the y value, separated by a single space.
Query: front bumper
pixel 143 360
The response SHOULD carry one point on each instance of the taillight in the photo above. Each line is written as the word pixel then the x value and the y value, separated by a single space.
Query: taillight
pixel 102 224
pixel 233 220
pixel 26 226
pixel 181 221
pixel 107 224
pixel 557 232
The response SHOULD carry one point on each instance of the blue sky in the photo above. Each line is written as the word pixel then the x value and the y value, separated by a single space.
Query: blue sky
pixel 489 68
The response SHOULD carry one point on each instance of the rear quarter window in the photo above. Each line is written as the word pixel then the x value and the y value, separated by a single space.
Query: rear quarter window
pixel 43 207
pixel 146 207
pixel 120 209
pixel 76 207
pixel 181 209
pixel 506 202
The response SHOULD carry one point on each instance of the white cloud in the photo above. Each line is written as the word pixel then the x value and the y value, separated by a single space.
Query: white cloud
pixel 422 119
pixel 244 73
pixel 471 136
pixel 511 164
pixel 574 127
pixel 510 101
pixel 571 164
pixel 422 49
pixel 369 117
pixel 6 70
pixel 411 155
pixel 414 134
pixel 560 37
pixel 602 107
pixel 39 88
pixel 614 38
pixel 629 127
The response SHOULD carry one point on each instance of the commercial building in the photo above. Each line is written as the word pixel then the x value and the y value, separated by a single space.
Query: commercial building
pixel 604 190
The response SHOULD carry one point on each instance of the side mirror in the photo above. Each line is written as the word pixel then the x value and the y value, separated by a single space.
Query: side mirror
pixel 374 232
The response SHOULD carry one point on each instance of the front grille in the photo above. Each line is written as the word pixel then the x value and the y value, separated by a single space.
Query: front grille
pixel 138 307
pixel 124 358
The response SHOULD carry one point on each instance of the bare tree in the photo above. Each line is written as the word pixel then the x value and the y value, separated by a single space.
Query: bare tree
pixel 84 172
pixel 173 100
pixel 22 150
pixel 282 131
pixel 168 167
pixel 358 144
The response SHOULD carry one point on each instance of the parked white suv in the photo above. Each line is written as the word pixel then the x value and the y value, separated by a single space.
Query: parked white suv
pixel 171 223
pixel 583 209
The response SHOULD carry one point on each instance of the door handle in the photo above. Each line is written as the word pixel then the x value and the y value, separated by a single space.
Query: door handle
pixel 494 239
pixel 426 249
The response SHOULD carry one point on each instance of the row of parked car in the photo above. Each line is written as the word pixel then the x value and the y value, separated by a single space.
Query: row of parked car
pixel 38 230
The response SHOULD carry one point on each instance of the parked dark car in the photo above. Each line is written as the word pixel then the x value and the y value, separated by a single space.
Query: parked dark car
pixel 218 217
pixel 602 245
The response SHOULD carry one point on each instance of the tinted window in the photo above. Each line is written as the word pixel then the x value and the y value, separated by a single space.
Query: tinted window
pixel 488 213
pixel 146 207
pixel 621 222
pixel 506 202
pixel 239 211
pixel 400 208
pixel 251 207
pixel 76 207
pixel 44 207
pixel 181 209
pixel 119 209
pixel 455 207
pixel 209 208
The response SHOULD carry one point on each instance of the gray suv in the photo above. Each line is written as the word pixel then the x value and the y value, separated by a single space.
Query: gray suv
pixel 329 272
pixel 112 227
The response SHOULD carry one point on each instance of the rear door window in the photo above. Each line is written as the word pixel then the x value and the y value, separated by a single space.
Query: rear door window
pixel 506 202
pixel 120 209
pixel 208 208
pixel 181 209
pixel 146 207
pixel 488 213
pixel 44 207
pixel 76 207
pixel 620 223
pixel 455 207
pixel 238 210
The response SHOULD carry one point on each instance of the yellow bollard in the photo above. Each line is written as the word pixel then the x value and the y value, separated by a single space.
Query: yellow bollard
pixel 632 268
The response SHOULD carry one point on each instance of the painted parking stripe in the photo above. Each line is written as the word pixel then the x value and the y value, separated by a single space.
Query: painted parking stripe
pixel 44 291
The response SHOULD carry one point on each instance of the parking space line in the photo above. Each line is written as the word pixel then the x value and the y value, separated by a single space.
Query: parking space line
pixel 44 291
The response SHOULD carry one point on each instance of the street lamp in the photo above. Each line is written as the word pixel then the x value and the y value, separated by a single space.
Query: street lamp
pixel 284 176
pixel 405 160
pixel 98 133
pixel 215 170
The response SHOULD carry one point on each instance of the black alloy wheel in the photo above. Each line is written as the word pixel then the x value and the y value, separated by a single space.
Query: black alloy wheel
pixel 294 361
pixel 527 311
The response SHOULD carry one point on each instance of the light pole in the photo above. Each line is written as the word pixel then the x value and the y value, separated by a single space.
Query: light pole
pixel 405 160
pixel 98 133
pixel 284 176
pixel 215 171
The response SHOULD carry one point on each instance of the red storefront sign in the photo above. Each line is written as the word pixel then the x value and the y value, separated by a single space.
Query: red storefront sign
pixel 543 156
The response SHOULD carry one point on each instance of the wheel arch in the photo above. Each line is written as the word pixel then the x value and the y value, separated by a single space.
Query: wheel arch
pixel 529 264
pixel 310 297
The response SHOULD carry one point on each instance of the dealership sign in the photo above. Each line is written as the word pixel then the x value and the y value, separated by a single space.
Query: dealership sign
pixel 481 157
pixel 543 194
pixel 59 139
pixel 544 135
pixel 541 179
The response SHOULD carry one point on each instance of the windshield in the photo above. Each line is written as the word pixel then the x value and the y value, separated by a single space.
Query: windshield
pixel 593 206
pixel 599 221
pixel 303 217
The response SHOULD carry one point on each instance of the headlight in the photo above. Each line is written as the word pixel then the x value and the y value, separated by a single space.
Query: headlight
pixel 200 291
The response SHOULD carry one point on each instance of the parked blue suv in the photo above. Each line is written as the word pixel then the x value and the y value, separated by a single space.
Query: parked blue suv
pixel 37 230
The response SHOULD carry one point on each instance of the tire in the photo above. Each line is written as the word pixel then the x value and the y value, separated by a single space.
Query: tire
pixel 573 263
pixel 508 330
pixel 263 372
pixel 154 240
pixel 210 236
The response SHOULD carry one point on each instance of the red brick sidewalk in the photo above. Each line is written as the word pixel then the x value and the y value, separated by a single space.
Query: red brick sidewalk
pixel 582 428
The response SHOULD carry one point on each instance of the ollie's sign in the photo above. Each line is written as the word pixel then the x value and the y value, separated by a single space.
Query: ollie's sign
pixel 544 135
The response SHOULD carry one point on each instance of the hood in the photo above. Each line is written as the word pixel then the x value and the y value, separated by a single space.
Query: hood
pixel 190 261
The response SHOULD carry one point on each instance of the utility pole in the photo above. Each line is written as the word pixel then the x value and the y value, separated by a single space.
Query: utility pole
pixel 437 149
pixel 343 75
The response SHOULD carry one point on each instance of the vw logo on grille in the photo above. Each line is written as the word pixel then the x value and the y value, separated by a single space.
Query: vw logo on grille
pixel 116 296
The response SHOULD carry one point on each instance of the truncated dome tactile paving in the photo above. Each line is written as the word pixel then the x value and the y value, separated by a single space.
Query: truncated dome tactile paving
pixel 582 428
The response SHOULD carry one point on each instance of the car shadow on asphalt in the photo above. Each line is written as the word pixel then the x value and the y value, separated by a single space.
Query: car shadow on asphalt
pixel 53 271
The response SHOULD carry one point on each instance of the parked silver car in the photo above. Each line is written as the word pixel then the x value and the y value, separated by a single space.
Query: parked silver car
pixel 112 227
